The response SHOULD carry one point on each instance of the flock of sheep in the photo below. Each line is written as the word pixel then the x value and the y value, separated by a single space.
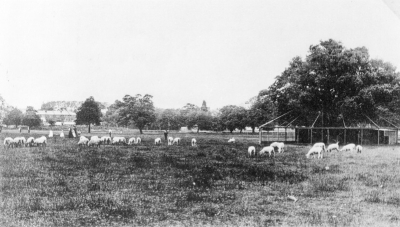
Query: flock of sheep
pixel 96 141
pixel 22 142
pixel 317 150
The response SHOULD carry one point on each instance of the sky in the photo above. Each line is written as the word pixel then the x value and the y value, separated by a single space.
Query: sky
pixel 223 52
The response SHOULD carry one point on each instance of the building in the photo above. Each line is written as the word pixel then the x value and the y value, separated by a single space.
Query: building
pixel 61 117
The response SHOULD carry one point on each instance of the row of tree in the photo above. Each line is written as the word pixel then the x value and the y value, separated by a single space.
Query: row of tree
pixel 16 117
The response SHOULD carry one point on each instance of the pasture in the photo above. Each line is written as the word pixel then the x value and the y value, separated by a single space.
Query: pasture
pixel 214 184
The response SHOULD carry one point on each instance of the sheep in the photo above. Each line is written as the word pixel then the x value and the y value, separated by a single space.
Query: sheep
pixel 132 141
pixel 19 141
pixel 51 133
pixel 268 149
pixel 358 148
pixel 157 141
pixel 83 141
pixel 194 142
pixel 30 141
pixel 138 140
pixel 333 146
pixel 232 140
pixel 170 140
pixel 62 134
pixel 40 141
pixel 8 141
pixel 349 147
pixel 119 140
pixel 252 151
pixel 279 146
pixel 176 141
pixel 105 139
pixel 320 144
pixel 315 150
pixel 94 141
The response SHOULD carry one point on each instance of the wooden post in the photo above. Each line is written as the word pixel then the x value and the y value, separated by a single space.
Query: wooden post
pixel 361 137
pixel 378 136
pixel 328 136
pixel 278 135
pixel 285 134
pixel 260 136
pixel 311 136
pixel 345 136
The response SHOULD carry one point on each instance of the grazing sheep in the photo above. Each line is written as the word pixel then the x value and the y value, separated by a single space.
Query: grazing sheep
pixel 176 141
pixel 349 147
pixel 83 141
pixel 231 140
pixel 19 141
pixel 105 139
pixel 94 141
pixel 41 141
pixel 194 142
pixel 157 141
pixel 8 141
pixel 278 146
pixel 132 141
pixel 138 140
pixel 51 134
pixel 320 144
pixel 30 141
pixel 268 149
pixel 119 140
pixel 359 148
pixel 170 140
pixel 333 146
pixel 252 151
pixel 315 150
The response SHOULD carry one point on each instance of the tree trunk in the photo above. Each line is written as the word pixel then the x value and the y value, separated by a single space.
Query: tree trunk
pixel 89 129
pixel 231 131
pixel 253 129
pixel 198 129
pixel 140 129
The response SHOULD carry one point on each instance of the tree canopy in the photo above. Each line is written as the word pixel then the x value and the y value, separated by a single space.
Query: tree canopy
pixel 14 117
pixel 88 113
pixel 137 110
pixel 343 85
pixel 30 118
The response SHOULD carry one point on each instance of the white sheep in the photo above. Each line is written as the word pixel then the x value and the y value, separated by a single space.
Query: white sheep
pixel 320 144
pixel 252 151
pixel 231 140
pixel 281 147
pixel 278 146
pixel 176 141
pixel 51 134
pixel 17 142
pixel 41 141
pixel 268 149
pixel 119 140
pixel 30 141
pixel 157 141
pixel 132 141
pixel 349 147
pixel 94 141
pixel 170 140
pixel 83 141
pixel 333 146
pixel 359 148
pixel 62 134
pixel 316 150
pixel 105 139
pixel 8 141
pixel 138 140
pixel 194 142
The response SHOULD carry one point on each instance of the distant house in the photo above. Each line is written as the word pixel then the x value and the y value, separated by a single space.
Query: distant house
pixel 61 117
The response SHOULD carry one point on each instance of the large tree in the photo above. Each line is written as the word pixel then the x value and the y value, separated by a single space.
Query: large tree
pixel 261 110
pixel 14 117
pixel 339 84
pixel 30 118
pixel 199 118
pixel 88 113
pixel 234 117
pixel 171 119
pixel 137 110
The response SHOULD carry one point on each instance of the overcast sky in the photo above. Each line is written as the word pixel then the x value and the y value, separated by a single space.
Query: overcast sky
pixel 180 52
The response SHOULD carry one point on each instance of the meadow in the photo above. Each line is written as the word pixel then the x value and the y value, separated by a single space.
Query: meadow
pixel 213 184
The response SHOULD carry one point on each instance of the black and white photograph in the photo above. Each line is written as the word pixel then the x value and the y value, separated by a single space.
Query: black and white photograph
pixel 199 113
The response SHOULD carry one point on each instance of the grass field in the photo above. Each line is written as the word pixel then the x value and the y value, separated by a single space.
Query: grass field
pixel 214 184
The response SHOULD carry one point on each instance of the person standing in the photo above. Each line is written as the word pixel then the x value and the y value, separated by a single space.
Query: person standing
pixel 166 134
pixel 70 133
pixel 109 132
pixel 20 129
pixel 29 129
